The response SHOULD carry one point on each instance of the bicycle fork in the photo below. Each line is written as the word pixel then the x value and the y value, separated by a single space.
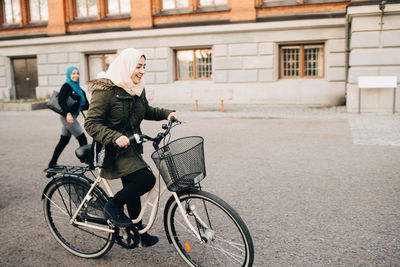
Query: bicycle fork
pixel 209 235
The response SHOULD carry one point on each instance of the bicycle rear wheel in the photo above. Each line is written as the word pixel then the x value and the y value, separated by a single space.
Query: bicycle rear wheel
pixel 226 241
pixel 61 199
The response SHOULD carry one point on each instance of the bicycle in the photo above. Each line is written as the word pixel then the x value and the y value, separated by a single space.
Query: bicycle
pixel 203 228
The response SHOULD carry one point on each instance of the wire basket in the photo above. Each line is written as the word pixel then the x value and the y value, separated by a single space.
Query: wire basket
pixel 181 162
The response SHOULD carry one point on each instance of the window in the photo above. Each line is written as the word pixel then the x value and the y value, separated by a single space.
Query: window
pixel 193 64
pixel 283 1
pixel 98 63
pixel 38 10
pixel 174 4
pixel 302 61
pixel 12 11
pixel 118 6
pixel 86 8
pixel 213 2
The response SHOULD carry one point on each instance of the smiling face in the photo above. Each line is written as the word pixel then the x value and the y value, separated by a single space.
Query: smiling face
pixel 139 71
pixel 75 75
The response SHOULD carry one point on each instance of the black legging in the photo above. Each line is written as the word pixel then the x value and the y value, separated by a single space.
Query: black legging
pixel 62 143
pixel 135 185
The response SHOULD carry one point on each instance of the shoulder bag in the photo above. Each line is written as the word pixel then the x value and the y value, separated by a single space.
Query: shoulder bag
pixel 54 105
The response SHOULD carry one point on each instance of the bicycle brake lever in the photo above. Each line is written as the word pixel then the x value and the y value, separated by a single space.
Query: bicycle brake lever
pixel 138 139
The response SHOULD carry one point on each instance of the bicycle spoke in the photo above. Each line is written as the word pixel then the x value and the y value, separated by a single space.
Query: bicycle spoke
pixel 233 256
pixel 58 207
pixel 233 244
pixel 60 201
pixel 187 229
pixel 226 243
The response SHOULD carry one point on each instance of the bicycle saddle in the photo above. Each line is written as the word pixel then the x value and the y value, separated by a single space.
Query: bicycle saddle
pixel 83 152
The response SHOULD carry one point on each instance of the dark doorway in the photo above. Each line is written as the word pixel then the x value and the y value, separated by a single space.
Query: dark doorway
pixel 25 77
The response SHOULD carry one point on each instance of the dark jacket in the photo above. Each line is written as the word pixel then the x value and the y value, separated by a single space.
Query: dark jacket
pixel 107 118
pixel 65 92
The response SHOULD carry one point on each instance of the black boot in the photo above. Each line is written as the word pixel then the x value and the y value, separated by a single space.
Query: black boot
pixel 115 213
pixel 147 239
pixel 82 140
pixel 58 150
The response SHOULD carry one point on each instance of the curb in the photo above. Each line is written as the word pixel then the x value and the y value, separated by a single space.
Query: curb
pixel 22 106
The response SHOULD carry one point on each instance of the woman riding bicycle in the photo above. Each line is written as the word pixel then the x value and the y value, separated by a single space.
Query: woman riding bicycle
pixel 117 108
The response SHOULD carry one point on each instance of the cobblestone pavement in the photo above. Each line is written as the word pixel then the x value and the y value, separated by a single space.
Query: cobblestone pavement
pixel 366 128
pixel 316 186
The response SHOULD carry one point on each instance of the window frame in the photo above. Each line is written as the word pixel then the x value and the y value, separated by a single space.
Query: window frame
pixel 175 8
pixel 103 61
pixel 194 64
pixel 28 8
pixel 301 61
pixel 25 14
pixel 212 5
pixel 75 11
pixel 3 15
pixel 107 13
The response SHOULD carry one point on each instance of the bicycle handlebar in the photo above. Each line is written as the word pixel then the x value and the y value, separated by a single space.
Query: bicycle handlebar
pixel 156 140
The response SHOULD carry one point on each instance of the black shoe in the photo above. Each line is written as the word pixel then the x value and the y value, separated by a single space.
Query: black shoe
pixel 148 240
pixel 52 165
pixel 116 214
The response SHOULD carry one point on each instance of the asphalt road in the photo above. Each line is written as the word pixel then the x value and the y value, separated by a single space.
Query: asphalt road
pixel 310 192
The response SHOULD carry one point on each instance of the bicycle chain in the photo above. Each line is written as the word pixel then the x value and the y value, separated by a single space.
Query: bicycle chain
pixel 128 238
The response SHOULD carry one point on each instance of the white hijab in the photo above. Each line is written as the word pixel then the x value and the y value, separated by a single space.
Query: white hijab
pixel 121 70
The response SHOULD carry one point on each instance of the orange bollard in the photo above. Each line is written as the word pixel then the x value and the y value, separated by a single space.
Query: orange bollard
pixel 222 105
pixel 197 105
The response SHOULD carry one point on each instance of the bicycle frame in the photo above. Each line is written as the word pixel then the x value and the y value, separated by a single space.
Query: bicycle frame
pixel 147 203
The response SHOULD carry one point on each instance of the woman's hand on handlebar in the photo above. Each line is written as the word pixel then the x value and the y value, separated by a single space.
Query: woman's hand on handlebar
pixel 173 116
pixel 122 141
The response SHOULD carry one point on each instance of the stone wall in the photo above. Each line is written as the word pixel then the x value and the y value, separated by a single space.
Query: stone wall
pixel 374 51
pixel 52 68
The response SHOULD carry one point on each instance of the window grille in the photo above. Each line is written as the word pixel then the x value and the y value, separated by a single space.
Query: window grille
pixel 194 64
pixel 302 61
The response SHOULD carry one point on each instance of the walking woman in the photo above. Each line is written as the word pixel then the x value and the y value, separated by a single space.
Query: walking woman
pixel 70 124
pixel 118 106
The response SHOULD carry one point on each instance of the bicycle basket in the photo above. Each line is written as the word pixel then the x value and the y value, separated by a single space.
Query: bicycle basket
pixel 181 162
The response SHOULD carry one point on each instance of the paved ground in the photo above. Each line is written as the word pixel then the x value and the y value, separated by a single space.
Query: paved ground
pixel 316 186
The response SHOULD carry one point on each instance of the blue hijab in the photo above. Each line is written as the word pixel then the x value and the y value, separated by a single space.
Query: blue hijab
pixel 75 86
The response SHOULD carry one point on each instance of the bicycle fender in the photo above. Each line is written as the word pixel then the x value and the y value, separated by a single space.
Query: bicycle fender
pixel 68 176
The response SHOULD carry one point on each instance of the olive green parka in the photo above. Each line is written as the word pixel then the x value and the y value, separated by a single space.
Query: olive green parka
pixel 108 117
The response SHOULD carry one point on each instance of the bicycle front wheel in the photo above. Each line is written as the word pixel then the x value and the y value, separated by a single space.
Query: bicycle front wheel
pixel 61 198
pixel 225 239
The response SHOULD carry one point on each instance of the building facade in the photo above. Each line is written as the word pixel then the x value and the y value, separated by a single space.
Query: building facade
pixel 307 52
